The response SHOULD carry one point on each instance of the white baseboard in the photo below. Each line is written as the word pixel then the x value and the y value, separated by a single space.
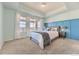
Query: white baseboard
pixel 8 40
pixel 15 39
pixel 21 38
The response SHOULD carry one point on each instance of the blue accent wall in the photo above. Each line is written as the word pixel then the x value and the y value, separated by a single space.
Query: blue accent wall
pixel 67 24
pixel 74 29
pixel 58 23
pixel 72 25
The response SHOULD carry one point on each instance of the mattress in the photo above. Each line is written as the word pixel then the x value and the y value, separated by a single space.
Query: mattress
pixel 39 37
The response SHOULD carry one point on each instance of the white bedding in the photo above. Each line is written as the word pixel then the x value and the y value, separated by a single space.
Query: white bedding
pixel 52 34
pixel 39 38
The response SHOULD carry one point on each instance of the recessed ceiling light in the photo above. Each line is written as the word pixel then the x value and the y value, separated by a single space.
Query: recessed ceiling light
pixel 43 5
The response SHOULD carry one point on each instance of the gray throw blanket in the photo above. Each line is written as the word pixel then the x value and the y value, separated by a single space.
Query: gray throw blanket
pixel 45 37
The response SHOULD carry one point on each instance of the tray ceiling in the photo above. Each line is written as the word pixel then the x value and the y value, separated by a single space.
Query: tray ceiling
pixel 49 6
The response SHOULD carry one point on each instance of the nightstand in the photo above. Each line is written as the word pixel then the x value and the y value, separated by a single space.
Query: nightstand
pixel 62 34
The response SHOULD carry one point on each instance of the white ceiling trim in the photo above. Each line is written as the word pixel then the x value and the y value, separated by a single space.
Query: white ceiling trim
pixel 30 11
pixel 56 11
pixel 50 6
pixel 21 7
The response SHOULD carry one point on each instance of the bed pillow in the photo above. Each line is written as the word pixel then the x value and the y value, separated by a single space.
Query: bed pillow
pixel 54 29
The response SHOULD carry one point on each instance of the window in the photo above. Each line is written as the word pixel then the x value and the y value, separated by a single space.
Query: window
pixel 35 25
pixel 32 24
pixel 38 24
pixel 22 24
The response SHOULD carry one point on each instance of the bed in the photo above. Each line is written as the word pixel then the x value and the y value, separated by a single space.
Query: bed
pixel 44 38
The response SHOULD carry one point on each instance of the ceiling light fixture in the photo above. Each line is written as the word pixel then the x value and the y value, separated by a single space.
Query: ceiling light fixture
pixel 43 5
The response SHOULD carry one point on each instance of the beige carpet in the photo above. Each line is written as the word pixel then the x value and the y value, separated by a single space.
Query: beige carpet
pixel 26 46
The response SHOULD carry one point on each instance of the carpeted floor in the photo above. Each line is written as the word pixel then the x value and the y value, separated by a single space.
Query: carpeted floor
pixel 26 46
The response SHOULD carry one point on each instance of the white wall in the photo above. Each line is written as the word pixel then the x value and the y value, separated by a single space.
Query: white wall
pixel 9 21
pixel 1 31
pixel 64 16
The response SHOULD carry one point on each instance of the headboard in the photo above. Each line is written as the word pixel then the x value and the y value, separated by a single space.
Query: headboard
pixel 54 28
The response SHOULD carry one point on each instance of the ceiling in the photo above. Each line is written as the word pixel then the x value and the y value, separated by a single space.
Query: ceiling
pixel 50 6
pixel 34 8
